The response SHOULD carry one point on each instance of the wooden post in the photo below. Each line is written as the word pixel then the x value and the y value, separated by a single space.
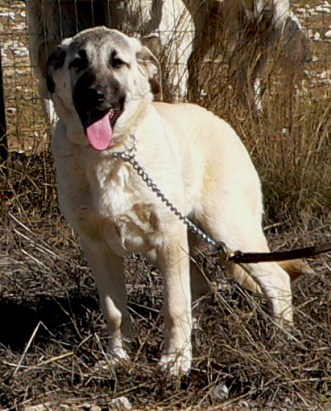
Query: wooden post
pixel 3 126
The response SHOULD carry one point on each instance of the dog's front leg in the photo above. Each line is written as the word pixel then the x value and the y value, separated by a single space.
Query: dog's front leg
pixel 107 269
pixel 174 263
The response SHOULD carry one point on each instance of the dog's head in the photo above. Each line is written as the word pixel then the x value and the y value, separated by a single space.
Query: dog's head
pixel 98 78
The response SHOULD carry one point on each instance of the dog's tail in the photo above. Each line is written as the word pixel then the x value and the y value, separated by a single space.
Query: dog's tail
pixel 294 269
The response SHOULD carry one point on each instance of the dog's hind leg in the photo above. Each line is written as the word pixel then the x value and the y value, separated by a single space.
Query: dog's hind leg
pixel 274 282
pixel 241 230
pixel 275 285
pixel 107 269
pixel 202 283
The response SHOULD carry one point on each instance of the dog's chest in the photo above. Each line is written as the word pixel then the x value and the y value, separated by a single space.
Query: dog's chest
pixel 116 209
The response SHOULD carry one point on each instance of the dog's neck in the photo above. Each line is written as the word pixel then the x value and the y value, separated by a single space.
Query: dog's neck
pixel 131 117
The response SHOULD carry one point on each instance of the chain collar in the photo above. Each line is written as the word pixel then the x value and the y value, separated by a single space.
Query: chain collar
pixel 130 152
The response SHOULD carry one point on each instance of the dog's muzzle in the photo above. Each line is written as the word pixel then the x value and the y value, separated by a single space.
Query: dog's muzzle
pixel 98 107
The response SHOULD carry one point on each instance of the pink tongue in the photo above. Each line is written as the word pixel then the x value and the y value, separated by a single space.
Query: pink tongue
pixel 100 133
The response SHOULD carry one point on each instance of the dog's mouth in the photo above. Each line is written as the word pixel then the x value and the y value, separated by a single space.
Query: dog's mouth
pixel 99 126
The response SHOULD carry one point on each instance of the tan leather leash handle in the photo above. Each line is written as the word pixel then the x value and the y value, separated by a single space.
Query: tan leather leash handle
pixel 239 257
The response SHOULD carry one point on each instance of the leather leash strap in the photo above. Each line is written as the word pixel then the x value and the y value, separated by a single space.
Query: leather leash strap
pixel 240 257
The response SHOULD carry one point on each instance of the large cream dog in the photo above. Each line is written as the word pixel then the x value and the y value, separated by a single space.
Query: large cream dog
pixel 101 83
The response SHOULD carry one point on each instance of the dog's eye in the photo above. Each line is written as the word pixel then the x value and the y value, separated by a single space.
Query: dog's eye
pixel 79 62
pixel 117 63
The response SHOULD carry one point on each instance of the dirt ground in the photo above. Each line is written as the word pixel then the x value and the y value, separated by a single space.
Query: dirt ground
pixel 52 333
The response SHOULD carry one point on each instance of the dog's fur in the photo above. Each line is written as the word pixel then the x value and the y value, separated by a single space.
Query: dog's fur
pixel 196 159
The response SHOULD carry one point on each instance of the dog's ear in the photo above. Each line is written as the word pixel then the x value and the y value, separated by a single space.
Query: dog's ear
pixel 54 62
pixel 151 66
pixel 153 43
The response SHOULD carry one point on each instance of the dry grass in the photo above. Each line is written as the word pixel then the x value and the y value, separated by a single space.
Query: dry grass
pixel 53 333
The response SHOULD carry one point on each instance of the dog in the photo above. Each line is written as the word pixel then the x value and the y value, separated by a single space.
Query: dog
pixel 101 82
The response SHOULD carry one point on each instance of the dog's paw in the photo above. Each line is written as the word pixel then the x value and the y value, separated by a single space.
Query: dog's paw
pixel 176 364
pixel 114 358
pixel 118 354
pixel 103 366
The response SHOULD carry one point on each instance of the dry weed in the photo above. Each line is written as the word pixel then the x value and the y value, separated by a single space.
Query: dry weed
pixel 53 333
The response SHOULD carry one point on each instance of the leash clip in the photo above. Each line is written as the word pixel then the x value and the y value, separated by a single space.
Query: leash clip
pixel 223 252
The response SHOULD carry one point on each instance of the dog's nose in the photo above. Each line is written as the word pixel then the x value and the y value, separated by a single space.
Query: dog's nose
pixel 99 95
pixel 96 96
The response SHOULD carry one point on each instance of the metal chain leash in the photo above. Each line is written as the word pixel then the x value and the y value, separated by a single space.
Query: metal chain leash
pixel 129 156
